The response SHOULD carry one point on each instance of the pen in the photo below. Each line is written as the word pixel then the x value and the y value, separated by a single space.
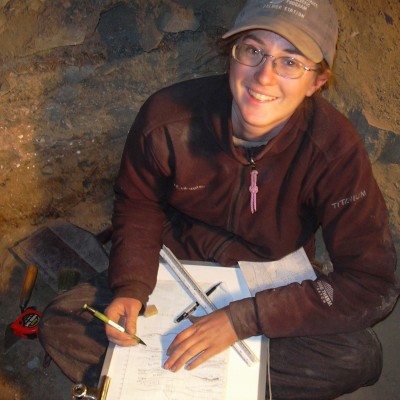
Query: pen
pixel 193 307
pixel 108 321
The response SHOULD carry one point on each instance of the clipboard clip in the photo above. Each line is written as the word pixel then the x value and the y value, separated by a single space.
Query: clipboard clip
pixel 81 392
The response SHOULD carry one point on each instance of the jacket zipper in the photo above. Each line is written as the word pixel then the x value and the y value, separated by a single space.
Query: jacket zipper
pixel 253 189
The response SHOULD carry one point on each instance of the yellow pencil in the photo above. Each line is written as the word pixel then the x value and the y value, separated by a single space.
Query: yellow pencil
pixel 108 321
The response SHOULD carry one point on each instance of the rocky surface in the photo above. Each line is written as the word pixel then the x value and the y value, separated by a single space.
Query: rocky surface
pixel 73 74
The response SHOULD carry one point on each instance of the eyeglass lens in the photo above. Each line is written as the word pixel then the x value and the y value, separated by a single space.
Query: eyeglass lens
pixel 286 67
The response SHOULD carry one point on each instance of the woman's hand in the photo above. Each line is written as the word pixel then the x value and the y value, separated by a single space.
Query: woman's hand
pixel 127 309
pixel 208 336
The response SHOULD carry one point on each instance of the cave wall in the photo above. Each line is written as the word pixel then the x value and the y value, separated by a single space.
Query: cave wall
pixel 73 74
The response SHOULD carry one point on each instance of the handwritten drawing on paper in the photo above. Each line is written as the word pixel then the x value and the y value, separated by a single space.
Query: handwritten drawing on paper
pixel 137 373
pixel 141 367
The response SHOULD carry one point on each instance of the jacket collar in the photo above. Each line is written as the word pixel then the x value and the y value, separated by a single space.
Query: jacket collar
pixel 217 116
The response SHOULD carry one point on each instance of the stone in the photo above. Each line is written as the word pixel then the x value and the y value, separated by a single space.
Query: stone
pixel 72 81
pixel 177 19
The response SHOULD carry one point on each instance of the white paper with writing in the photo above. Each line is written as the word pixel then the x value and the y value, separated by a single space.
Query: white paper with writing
pixel 295 267
pixel 137 372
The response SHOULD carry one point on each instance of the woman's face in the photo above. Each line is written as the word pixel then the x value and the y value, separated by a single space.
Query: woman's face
pixel 262 100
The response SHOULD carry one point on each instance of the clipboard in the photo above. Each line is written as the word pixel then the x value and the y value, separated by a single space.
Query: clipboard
pixel 137 373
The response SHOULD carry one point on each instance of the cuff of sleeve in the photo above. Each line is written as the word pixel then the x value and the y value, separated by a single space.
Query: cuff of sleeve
pixel 137 291
pixel 243 316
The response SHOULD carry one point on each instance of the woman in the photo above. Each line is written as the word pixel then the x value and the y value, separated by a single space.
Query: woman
pixel 247 167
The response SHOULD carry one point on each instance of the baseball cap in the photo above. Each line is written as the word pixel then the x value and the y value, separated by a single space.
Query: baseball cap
pixel 310 25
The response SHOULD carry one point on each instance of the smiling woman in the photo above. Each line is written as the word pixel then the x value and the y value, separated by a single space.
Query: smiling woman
pixel 270 162
pixel 266 93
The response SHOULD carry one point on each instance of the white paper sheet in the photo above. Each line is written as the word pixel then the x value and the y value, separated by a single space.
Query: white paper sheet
pixel 137 372
pixel 295 267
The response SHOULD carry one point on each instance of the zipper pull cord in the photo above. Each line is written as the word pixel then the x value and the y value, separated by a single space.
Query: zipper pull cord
pixel 253 186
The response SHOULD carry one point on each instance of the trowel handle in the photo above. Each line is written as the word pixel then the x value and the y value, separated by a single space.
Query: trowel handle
pixel 27 287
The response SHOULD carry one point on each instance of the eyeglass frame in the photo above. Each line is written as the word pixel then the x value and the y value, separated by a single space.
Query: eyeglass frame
pixel 264 57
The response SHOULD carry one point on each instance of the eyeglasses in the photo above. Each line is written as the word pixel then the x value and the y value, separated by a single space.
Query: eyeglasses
pixel 286 67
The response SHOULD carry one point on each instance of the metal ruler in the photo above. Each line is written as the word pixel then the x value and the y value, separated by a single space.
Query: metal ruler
pixel 199 295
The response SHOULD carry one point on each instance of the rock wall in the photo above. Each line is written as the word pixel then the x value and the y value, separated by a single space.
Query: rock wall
pixel 73 74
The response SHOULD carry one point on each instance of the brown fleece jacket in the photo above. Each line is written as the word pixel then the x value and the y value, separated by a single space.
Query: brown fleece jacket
pixel 182 182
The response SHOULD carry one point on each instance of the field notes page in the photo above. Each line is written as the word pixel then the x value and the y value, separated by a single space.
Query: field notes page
pixel 137 372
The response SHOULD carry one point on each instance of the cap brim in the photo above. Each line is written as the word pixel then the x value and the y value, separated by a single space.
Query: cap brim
pixel 300 39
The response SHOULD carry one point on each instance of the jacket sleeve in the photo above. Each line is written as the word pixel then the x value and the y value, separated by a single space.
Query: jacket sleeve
pixel 362 289
pixel 138 215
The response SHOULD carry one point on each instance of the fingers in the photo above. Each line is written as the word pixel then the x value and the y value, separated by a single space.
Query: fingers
pixel 208 336
pixel 119 338
pixel 187 345
pixel 124 311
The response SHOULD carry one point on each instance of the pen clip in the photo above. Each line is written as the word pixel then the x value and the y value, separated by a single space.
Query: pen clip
pixel 193 307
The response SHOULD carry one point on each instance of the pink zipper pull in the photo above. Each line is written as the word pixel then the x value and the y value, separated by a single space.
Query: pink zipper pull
pixel 253 188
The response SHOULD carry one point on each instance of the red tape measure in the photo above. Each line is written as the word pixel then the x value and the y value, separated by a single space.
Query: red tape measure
pixel 27 324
